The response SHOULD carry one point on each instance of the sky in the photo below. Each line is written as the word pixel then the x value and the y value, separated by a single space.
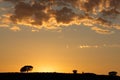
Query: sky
pixel 60 35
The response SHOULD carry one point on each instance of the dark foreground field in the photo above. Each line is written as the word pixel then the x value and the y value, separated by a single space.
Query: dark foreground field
pixel 55 76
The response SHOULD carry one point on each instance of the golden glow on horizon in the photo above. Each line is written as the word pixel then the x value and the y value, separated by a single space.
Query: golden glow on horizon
pixel 46 69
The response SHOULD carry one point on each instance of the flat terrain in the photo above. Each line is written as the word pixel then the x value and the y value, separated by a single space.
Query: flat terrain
pixel 55 76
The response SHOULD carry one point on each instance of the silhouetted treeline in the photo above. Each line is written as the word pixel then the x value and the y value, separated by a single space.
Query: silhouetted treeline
pixel 55 76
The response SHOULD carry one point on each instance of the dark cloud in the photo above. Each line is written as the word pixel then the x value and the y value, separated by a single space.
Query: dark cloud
pixel 14 1
pixel 39 13
pixel 111 12
pixel 90 4
pixel 22 10
pixel 71 2
pixel 64 15
pixel 114 3
pixel 90 12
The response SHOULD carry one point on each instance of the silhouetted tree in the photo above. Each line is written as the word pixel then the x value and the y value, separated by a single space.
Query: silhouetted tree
pixel 74 71
pixel 112 73
pixel 26 68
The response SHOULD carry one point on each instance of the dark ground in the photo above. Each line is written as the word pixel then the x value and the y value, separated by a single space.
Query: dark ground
pixel 55 76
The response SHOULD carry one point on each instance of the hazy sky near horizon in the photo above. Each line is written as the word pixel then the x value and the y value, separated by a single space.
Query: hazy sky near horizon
pixel 60 35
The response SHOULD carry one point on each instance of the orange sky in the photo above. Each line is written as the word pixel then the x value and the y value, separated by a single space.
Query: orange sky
pixel 59 36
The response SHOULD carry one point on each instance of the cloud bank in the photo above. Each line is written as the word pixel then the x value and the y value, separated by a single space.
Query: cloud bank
pixel 102 16
pixel 99 46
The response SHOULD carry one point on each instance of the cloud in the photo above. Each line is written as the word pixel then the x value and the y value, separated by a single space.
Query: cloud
pixel 15 28
pixel 85 46
pixel 52 14
pixel 64 15
pixel 4 26
pixel 101 31
pixel 33 30
pixel 14 1
pixel 88 46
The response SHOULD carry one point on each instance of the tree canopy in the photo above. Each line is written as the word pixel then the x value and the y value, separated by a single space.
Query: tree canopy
pixel 26 68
